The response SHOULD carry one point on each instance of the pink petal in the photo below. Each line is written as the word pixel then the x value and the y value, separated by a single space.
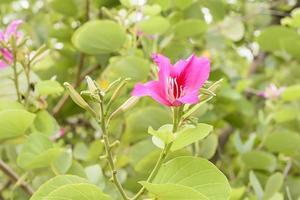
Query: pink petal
pixel 12 29
pixel 164 66
pixel 195 73
pixel 152 89
pixel 7 55
pixel 3 64
pixel 190 98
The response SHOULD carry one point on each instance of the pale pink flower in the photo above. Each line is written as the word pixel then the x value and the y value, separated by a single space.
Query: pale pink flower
pixel 178 84
pixel 272 92
pixel 6 57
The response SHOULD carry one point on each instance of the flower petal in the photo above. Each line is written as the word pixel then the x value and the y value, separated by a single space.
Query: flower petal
pixel 190 98
pixel 195 73
pixel 164 66
pixel 12 29
pixel 152 89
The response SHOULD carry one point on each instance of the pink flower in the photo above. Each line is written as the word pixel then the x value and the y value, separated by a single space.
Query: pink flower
pixel 178 84
pixel 6 57
pixel 272 92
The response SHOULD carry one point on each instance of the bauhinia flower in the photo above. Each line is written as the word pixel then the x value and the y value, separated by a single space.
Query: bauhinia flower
pixel 272 92
pixel 6 57
pixel 177 84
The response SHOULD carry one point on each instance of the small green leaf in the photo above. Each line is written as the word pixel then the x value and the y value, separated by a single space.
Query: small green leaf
pixel 209 146
pixel 256 185
pixel 63 162
pixel 65 7
pixel 285 114
pixel 273 185
pixel 45 123
pixel 190 134
pixel 164 133
pixel 233 28
pixel 291 93
pixel 259 160
pixel 99 37
pixel 14 122
pixel 193 177
pixel 49 87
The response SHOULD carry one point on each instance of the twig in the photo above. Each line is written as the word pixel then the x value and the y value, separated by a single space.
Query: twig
pixel 223 138
pixel 15 177
pixel 109 155
pixel 78 77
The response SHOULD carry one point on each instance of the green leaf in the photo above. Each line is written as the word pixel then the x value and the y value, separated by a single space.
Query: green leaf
pixel 49 87
pixel 80 151
pixel 256 185
pixel 192 176
pixel 291 93
pixel 283 142
pixel 189 28
pixel 6 104
pixel 259 160
pixel 209 146
pixel 273 185
pixel 38 152
pixel 233 28
pixel 14 122
pixel 63 162
pixel 173 191
pixel 77 191
pixel 271 38
pixel 285 114
pixel 54 183
pixel 99 37
pixel 190 134
pixel 65 7
pixel 137 122
pixel 95 175
pixel 45 123
pixel 164 133
pixel 133 67
pixel 154 25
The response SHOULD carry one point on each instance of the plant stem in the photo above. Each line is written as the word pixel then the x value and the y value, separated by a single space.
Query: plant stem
pixel 16 76
pixel 109 155
pixel 15 178
pixel 163 154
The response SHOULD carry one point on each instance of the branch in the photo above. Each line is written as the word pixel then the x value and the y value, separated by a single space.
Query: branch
pixel 15 177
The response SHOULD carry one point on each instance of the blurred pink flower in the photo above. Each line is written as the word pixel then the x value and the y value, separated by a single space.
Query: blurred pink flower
pixel 6 57
pixel 272 92
pixel 58 135
pixel 178 84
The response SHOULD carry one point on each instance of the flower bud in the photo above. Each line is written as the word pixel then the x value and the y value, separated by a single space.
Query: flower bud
pixel 78 99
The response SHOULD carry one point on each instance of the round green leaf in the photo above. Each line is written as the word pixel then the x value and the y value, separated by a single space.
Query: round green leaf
pixel 190 134
pixel 55 183
pixel 49 87
pixel 154 25
pixel 14 122
pixel 65 7
pixel 77 191
pixel 233 28
pixel 190 28
pixel 286 142
pixel 193 177
pixel 38 152
pixel 259 160
pixel 133 67
pixel 99 37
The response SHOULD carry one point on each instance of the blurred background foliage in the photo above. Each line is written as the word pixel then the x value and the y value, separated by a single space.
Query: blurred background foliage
pixel 251 44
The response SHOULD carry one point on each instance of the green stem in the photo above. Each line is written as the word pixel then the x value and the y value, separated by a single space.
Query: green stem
pixel 16 76
pixel 163 154
pixel 109 155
